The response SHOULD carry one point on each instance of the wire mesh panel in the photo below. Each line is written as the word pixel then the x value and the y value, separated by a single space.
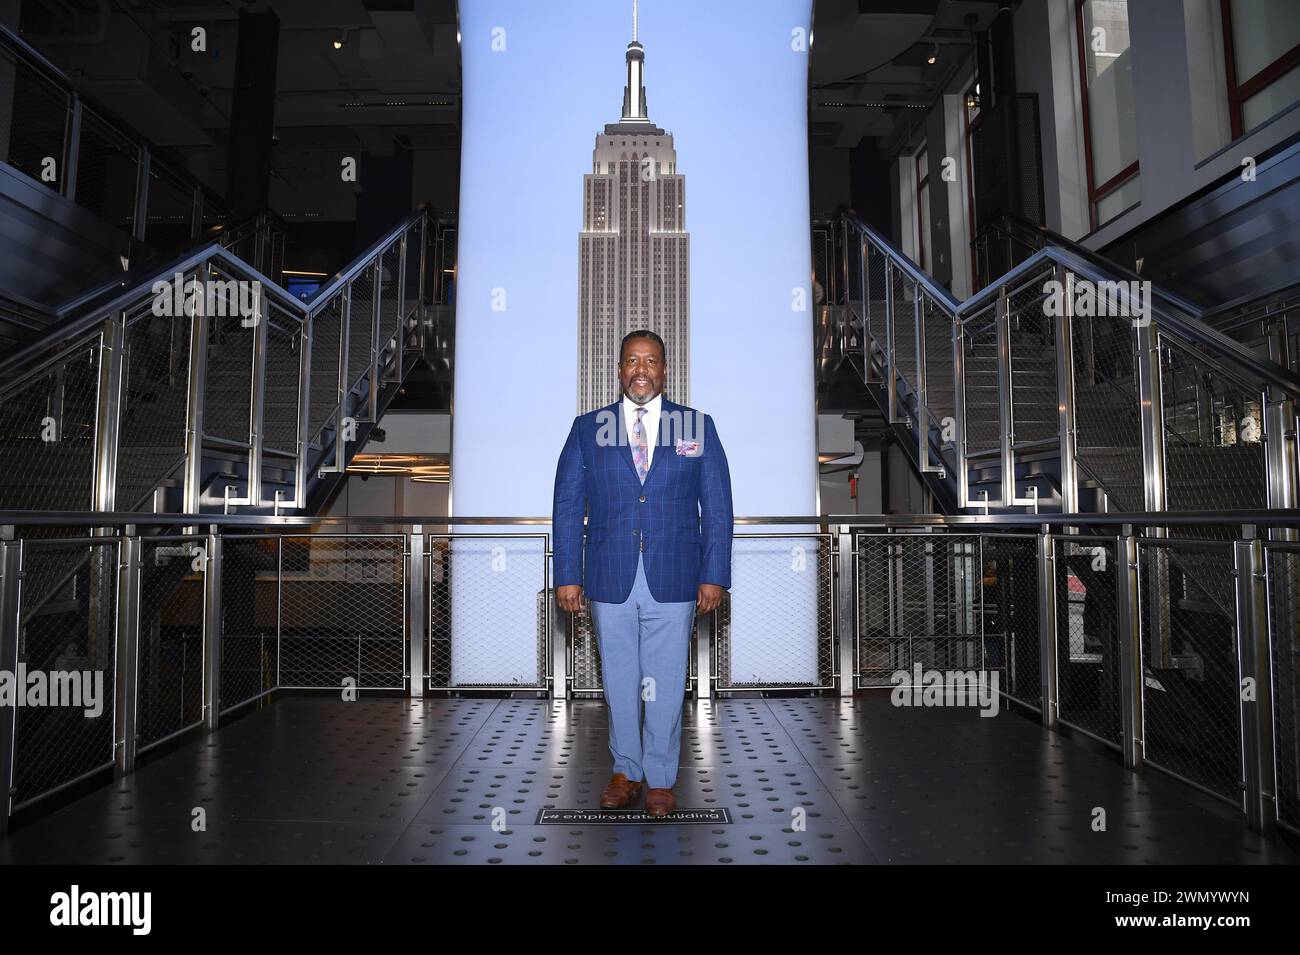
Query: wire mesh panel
pixel 1009 606
pixel 249 606
pixel 939 382
pixel 390 269
pixel 1214 449
pixel 1107 419
pixel 280 399
pixel 790 643
pixel 229 386
pixel 487 611
pixel 1284 629
pixel 326 326
pixel 361 326
pixel 904 316
pixel 1033 363
pixel 107 166
pixel 169 691
pixel 67 645
pixel 921 603
pixel 1087 637
pixel 33 121
pixel 47 434
pixel 343 612
pixel 980 363
pixel 155 394
pixel 876 312
pixel 1191 715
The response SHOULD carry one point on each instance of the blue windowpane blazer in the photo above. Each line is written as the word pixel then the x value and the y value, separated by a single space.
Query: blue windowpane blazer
pixel 680 520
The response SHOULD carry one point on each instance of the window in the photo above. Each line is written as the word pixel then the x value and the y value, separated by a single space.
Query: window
pixel 923 207
pixel 1261 40
pixel 1109 117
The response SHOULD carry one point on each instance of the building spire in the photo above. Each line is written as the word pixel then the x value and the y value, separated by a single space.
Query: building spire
pixel 634 108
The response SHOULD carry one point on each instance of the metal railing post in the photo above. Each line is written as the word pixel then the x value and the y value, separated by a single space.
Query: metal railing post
pixel 11 556
pixel 127 655
pixel 922 417
pixel 212 636
pixel 1129 643
pixel 864 277
pixel 562 625
pixel 108 412
pixel 341 412
pixel 399 354
pixel 192 489
pixel 416 604
pixel 423 297
pixel 891 378
pixel 1255 682
pixel 257 402
pixel 1065 398
pixel 1047 633
pixel 959 411
pixel 1006 420
pixel 845 594
pixel 706 639
pixel 1151 412
pixel 376 320
pixel 304 412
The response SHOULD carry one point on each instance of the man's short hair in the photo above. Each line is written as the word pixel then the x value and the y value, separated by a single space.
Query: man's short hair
pixel 644 333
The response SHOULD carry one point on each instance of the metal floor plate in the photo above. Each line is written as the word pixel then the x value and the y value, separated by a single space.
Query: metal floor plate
pixel 804 781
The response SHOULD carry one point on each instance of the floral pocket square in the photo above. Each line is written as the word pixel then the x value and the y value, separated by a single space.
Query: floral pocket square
pixel 688 448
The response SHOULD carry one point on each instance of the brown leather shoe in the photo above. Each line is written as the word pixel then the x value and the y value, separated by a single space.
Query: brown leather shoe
pixel 620 792
pixel 659 802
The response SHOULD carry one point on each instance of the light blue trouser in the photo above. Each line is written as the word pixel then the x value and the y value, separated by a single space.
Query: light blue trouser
pixel 644 642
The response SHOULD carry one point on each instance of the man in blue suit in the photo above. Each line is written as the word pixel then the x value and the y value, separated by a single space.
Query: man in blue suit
pixel 653 479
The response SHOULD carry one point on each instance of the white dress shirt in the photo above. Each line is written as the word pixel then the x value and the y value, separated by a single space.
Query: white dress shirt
pixel 649 424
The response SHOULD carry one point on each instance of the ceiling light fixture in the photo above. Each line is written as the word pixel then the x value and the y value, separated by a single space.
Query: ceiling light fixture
pixel 934 55
pixel 339 40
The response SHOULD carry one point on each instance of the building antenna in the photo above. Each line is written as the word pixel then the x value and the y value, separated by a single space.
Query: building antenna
pixel 633 21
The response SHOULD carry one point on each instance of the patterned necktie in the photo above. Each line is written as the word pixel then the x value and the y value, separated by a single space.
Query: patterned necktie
pixel 640 454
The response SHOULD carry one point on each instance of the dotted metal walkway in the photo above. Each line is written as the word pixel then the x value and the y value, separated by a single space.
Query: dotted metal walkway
pixel 817 781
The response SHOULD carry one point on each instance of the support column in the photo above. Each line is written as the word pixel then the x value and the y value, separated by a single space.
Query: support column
pixel 126 657
pixel 1129 642
pixel 212 631
pixel 844 622
pixel 1255 682
pixel 1047 635
pixel 252 113
pixel 417 604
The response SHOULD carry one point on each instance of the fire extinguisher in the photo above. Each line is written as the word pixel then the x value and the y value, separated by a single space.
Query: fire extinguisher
pixel 853 487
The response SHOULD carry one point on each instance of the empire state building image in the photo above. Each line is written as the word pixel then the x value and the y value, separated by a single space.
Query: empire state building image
pixel 633 251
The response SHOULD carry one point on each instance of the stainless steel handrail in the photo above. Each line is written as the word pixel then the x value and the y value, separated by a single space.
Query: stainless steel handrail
pixel 1228 355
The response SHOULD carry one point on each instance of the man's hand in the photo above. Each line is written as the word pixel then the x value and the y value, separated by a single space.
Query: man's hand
pixel 710 596
pixel 569 597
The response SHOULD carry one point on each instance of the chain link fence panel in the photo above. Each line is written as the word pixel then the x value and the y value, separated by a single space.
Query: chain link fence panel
pixel 249 618
pixel 343 612
pixel 169 691
pixel 1087 637
pixel 1191 712
pixel 47 433
pixel 68 634
pixel 499 586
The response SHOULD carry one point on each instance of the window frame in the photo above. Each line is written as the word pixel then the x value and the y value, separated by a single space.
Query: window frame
pixel 922 183
pixel 1096 191
pixel 1240 91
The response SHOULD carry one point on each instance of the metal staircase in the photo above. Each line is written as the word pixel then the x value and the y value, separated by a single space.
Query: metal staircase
pixel 1018 398
pixel 121 408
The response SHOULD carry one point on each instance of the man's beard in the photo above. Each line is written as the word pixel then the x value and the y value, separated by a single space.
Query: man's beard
pixel 650 394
